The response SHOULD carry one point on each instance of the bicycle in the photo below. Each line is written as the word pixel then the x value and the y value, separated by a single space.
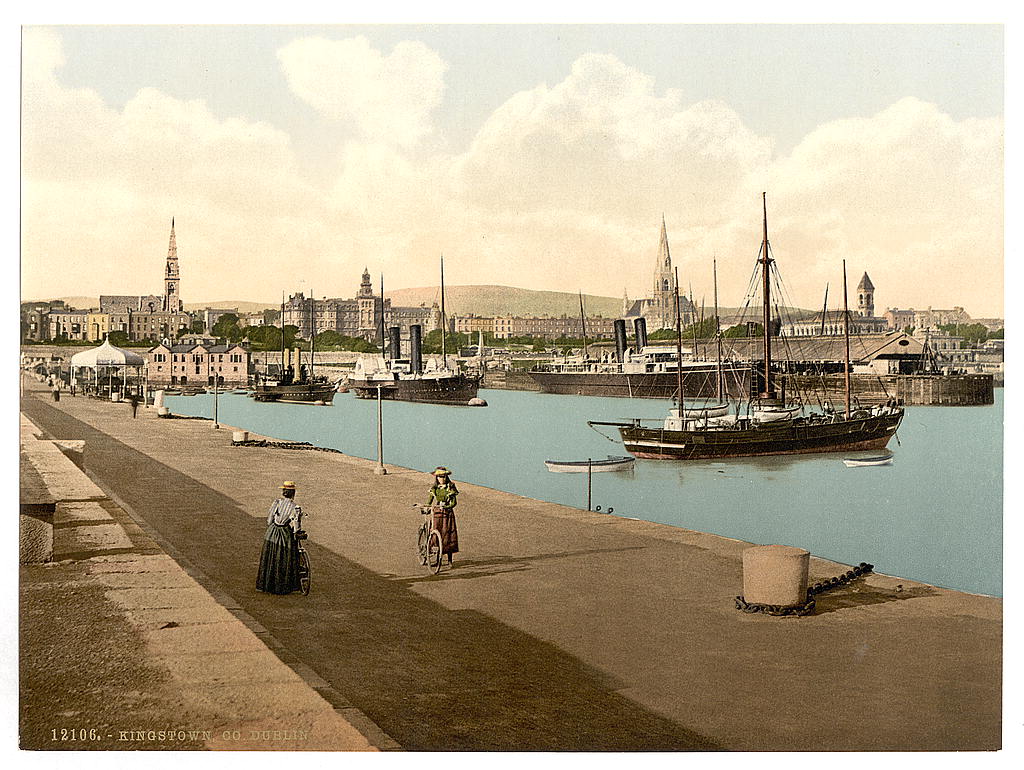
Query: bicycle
pixel 305 570
pixel 428 541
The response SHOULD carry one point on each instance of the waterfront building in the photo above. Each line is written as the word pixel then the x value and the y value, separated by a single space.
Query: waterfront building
pixel 192 363
pixel 35 320
pixel 833 325
pixel 659 308
pixel 552 327
pixel 926 319
pixel 356 317
pixel 69 324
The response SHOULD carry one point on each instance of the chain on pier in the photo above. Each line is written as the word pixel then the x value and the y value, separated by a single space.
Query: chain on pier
pixel 286 445
pixel 808 606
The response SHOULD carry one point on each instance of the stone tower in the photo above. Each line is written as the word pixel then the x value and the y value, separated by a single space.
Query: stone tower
pixel 662 308
pixel 172 299
pixel 369 312
pixel 866 297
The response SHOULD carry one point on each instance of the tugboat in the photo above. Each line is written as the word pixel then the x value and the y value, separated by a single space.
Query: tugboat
pixel 769 426
pixel 307 388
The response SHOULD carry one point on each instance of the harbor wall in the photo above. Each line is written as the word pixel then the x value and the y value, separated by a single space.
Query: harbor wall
pixel 512 379
pixel 913 389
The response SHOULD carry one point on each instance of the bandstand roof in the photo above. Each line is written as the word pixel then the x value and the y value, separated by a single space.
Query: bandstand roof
pixel 107 355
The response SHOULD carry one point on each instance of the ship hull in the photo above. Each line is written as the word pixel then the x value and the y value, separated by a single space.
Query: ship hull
pixel 790 437
pixel 294 394
pixel 697 383
pixel 448 391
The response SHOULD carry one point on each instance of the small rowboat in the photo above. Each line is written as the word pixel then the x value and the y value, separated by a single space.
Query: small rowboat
pixel 856 462
pixel 581 466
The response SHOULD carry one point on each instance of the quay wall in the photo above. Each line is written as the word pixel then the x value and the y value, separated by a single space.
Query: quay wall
pixel 914 389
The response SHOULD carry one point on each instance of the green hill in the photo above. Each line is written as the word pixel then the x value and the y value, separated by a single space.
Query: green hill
pixel 506 300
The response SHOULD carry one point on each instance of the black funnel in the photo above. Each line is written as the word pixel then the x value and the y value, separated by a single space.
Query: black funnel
pixel 395 334
pixel 620 340
pixel 415 348
pixel 640 327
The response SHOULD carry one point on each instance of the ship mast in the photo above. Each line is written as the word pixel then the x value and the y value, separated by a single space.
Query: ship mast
pixel 679 348
pixel 583 324
pixel 444 321
pixel 312 333
pixel 383 341
pixel 281 377
pixel 846 334
pixel 718 336
pixel 769 389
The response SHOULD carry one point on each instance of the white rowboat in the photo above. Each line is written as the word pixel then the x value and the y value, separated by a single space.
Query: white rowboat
pixel 581 466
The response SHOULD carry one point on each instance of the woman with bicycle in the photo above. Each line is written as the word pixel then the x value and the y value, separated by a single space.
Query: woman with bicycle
pixel 442 500
pixel 279 560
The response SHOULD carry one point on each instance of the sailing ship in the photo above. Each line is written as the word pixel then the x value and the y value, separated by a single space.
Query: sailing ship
pixel 396 378
pixel 768 426
pixel 303 386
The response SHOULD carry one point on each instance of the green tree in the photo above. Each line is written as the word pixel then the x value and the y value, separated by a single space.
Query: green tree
pixel 118 338
pixel 744 330
pixel 452 342
pixel 198 326
pixel 972 334
pixel 996 335
pixel 227 328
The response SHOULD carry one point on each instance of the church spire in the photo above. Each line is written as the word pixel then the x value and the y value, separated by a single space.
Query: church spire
pixel 172 299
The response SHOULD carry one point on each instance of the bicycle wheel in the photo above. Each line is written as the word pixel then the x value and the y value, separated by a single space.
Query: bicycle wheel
pixel 305 572
pixel 421 545
pixel 434 552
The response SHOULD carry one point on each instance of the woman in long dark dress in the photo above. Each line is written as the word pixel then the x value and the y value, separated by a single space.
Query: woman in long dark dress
pixel 279 560
pixel 443 499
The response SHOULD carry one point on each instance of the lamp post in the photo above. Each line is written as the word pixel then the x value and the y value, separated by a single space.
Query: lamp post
pixel 216 424
pixel 380 470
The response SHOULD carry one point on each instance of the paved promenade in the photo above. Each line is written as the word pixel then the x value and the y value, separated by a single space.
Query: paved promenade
pixel 558 628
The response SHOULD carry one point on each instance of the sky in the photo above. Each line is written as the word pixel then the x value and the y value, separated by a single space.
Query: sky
pixel 538 156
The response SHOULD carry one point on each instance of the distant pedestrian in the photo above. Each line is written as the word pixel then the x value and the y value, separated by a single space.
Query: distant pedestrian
pixel 279 559
pixel 134 401
pixel 443 499
pixel 56 391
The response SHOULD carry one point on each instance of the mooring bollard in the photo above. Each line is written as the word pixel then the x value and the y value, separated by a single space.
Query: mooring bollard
pixel 775 575
pixel 163 411
pixel 239 436
pixel 158 399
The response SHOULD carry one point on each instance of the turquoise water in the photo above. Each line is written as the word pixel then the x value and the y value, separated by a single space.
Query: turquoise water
pixel 934 515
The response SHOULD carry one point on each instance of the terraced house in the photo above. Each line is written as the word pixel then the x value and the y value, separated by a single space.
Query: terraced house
pixel 195 363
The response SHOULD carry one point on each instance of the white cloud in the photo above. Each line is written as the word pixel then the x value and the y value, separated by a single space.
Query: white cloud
pixel 388 98
pixel 563 188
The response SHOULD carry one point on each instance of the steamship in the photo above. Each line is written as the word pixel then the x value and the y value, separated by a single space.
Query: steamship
pixel 646 371
pixel 412 379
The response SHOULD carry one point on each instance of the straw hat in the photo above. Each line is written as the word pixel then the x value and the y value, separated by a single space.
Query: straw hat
pixel 440 470
pixel 288 485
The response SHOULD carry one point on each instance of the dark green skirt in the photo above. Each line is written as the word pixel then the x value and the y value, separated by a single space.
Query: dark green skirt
pixel 279 561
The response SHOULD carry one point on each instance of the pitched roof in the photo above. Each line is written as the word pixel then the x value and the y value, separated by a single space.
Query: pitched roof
pixel 865 284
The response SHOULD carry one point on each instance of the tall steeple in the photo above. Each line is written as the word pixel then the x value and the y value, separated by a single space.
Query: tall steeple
pixel 172 299
pixel 662 307
pixel 663 266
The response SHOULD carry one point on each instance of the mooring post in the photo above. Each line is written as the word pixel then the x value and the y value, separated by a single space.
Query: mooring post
pixel 380 470
pixel 590 466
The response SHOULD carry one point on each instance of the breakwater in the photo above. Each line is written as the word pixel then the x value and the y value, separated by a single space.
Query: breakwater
pixel 913 389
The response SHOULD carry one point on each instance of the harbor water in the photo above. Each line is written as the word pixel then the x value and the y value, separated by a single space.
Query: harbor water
pixel 934 515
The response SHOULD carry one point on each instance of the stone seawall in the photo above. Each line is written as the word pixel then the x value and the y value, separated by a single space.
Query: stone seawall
pixel 513 379
pixel 914 389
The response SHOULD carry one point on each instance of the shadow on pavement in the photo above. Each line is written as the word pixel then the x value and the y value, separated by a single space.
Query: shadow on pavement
pixel 432 678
